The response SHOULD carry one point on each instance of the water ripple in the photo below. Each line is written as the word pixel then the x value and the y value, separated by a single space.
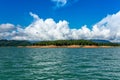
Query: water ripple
pixel 59 64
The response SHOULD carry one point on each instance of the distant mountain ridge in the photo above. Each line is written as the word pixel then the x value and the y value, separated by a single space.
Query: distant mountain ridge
pixel 14 43
pixel 100 41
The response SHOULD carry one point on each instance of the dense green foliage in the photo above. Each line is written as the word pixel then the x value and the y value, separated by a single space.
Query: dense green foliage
pixel 56 43
pixel 65 42
pixel 74 42
pixel 14 43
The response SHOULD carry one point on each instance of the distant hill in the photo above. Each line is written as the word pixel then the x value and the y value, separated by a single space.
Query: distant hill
pixel 100 41
pixel 14 43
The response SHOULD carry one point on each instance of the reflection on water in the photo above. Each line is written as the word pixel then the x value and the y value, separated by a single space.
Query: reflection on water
pixel 59 64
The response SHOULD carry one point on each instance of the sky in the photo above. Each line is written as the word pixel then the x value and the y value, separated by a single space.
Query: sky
pixel 60 19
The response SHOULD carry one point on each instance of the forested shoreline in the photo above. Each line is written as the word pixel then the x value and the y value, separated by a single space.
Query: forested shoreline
pixel 74 42
pixel 80 42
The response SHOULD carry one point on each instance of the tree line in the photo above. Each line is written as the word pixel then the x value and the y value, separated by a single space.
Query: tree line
pixel 80 42
pixel 73 42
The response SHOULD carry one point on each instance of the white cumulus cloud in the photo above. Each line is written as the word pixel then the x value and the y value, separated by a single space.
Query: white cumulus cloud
pixel 6 30
pixel 108 29
pixel 6 27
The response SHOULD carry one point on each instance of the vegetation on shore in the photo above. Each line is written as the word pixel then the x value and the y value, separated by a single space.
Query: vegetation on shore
pixel 55 43
pixel 74 42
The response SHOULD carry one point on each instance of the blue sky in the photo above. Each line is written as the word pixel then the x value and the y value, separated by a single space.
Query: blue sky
pixel 77 13
pixel 60 19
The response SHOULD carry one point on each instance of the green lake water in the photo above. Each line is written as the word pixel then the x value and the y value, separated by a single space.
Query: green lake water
pixel 59 64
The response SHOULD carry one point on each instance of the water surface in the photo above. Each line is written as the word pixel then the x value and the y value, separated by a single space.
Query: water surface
pixel 59 64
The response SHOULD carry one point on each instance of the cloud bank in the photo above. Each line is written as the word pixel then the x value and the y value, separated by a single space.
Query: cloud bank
pixel 108 29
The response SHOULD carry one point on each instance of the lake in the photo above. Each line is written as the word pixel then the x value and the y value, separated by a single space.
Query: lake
pixel 59 64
